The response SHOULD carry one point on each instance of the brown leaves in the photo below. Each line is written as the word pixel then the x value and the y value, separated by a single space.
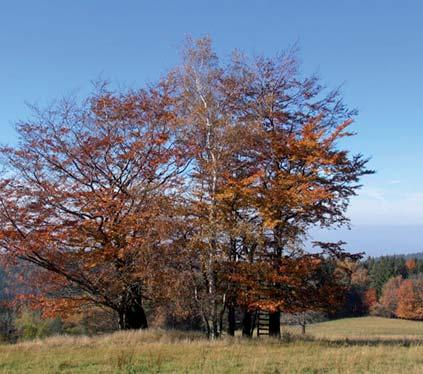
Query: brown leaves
pixel 89 197
pixel 288 284
pixel 210 178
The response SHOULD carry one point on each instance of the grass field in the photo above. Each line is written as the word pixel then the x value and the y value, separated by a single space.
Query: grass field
pixel 364 328
pixel 374 345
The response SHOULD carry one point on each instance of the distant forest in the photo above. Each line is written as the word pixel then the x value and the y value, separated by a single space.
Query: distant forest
pixel 417 255
pixel 388 286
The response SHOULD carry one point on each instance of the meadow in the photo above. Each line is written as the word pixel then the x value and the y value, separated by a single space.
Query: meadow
pixel 356 345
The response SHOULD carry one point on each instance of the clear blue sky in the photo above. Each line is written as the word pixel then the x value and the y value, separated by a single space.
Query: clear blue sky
pixel 373 47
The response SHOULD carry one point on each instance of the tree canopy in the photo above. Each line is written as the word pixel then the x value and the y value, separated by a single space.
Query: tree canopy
pixel 197 191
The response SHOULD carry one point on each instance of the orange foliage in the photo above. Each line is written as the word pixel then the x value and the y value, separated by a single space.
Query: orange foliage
pixel 370 298
pixel 410 264
pixel 389 298
pixel 410 299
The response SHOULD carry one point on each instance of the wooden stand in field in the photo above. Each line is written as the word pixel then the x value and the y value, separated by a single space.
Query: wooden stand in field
pixel 262 323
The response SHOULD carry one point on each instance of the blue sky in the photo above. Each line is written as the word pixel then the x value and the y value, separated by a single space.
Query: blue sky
pixel 372 47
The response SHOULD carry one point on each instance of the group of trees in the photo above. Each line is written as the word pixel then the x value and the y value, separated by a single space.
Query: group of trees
pixel 191 196
pixel 402 295
pixel 388 286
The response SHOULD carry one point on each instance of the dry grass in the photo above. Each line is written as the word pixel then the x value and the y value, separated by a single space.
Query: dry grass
pixel 158 351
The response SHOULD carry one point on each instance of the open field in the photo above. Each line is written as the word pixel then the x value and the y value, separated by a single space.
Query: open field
pixel 364 328
pixel 159 351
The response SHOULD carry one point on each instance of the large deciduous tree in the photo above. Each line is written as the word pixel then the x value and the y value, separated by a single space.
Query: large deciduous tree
pixel 305 178
pixel 266 168
pixel 88 195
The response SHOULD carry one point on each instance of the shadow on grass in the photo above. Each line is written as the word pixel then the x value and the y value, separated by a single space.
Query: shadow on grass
pixel 403 342
pixel 364 341
pixel 287 338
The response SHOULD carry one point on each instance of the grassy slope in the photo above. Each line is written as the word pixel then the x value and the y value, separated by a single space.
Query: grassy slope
pixel 158 351
pixel 366 327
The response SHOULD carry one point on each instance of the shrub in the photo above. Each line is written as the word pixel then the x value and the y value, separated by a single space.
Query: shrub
pixel 31 325
pixel 380 310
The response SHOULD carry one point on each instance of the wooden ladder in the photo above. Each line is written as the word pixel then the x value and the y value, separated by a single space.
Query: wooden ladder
pixel 262 323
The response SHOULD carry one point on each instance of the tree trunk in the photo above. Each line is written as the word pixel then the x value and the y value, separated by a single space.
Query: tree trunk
pixel 275 324
pixel 121 320
pixel 206 325
pixel 231 321
pixel 214 328
pixel 303 328
pixel 247 324
pixel 133 318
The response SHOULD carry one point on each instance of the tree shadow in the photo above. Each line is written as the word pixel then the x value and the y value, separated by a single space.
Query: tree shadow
pixel 345 342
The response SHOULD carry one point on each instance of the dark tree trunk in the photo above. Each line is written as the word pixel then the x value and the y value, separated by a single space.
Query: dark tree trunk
pixel 247 324
pixel 275 324
pixel 231 321
pixel 303 328
pixel 133 318
pixel 207 325
pixel 121 320
pixel 136 318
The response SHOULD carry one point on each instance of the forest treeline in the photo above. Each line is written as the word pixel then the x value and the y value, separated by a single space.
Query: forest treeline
pixel 387 286
pixel 188 200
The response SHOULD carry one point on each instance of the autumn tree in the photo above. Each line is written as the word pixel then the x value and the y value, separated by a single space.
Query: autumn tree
pixel 360 297
pixel 370 299
pixel 410 299
pixel 217 201
pixel 389 298
pixel 88 195
pixel 266 168
pixel 304 179
pixel 411 266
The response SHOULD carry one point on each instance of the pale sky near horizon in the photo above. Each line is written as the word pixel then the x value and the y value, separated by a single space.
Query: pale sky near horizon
pixel 372 47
